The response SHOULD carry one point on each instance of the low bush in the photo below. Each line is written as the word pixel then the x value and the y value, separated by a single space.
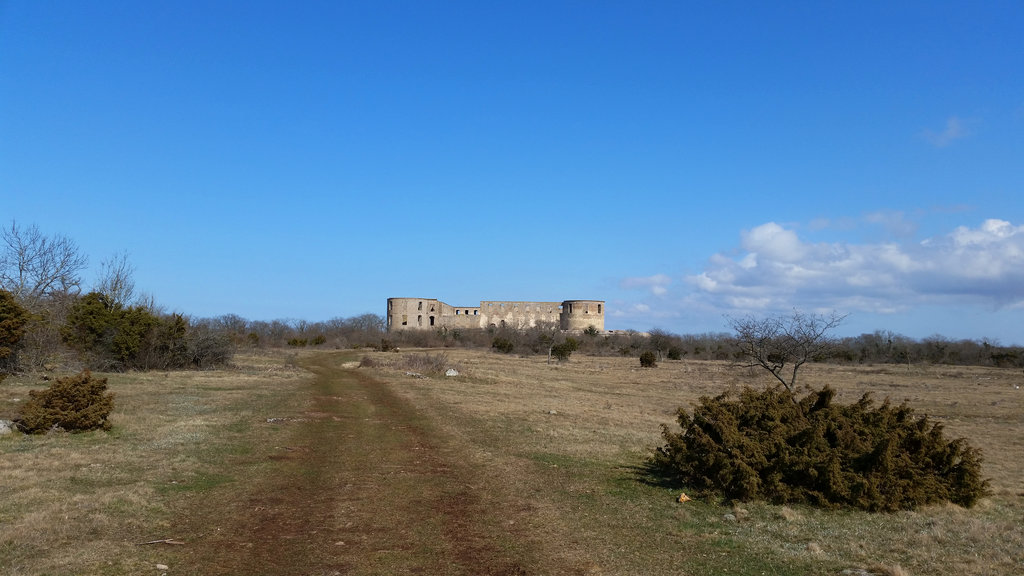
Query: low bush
pixel 768 446
pixel 648 360
pixel 562 351
pixel 74 404
pixel 503 345
pixel 434 364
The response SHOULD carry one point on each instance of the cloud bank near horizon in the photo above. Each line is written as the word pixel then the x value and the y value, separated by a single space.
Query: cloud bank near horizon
pixel 775 269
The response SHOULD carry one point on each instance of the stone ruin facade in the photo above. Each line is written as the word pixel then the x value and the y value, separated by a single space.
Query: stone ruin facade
pixel 431 314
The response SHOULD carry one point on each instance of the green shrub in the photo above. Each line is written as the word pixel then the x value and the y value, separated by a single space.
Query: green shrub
pixel 675 353
pixel 13 319
pixel 74 403
pixel 562 351
pixel 502 344
pixel 109 336
pixel 766 446
pixel 648 360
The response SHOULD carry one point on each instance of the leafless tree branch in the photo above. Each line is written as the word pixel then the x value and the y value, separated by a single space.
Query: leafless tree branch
pixel 782 344
pixel 34 266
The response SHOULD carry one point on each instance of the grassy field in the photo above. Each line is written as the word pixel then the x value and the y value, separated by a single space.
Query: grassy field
pixel 86 503
pixel 557 451
pixel 574 435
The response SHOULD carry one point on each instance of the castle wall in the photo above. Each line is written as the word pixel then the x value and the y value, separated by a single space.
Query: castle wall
pixel 518 315
pixel 429 314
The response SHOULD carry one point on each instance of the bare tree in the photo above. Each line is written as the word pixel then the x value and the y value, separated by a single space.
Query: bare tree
pixel 117 280
pixel 34 266
pixel 782 344
pixel 661 341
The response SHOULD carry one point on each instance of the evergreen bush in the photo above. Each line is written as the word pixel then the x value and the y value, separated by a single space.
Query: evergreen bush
pixel 13 319
pixel 74 404
pixel 648 360
pixel 765 446
pixel 503 345
pixel 562 351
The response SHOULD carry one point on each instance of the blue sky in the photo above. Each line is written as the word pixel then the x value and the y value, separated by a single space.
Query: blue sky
pixel 684 161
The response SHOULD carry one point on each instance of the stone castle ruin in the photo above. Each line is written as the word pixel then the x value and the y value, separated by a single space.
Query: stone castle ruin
pixel 431 314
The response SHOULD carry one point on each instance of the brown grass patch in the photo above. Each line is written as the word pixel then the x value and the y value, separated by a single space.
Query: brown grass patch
pixel 83 503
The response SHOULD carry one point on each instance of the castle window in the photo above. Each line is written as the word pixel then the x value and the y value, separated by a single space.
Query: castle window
pixel 598 308
pixel 419 320
pixel 457 312
pixel 474 312
pixel 431 320
pixel 419 306
pixel 405 319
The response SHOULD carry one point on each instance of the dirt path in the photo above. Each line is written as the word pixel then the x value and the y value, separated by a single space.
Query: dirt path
pixel 366 485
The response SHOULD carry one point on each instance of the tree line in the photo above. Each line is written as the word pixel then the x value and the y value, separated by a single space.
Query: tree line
pixel 879 347
pixel 49 319
pixel 369 331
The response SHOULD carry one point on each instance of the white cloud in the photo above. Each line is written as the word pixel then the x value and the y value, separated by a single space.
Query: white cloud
pixel 657 284
pixel 774 242
pixel 776 269
pixel 955 129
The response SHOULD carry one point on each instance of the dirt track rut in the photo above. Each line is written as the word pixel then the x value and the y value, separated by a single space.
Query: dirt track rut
pixel 366 485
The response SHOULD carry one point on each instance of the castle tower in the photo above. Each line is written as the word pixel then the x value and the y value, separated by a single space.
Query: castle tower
pixel 581 314
pixel 413 313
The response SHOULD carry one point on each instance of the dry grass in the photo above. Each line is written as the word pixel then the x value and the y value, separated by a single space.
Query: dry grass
pixel 82 503
pixel 584 424
pixel 561 443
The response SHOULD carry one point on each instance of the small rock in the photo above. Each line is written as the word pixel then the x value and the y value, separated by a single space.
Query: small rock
pixel 451 372
pixel 729 517
pixel 813 548
pixel 552 412
pixel 162 567
pixel 6 427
